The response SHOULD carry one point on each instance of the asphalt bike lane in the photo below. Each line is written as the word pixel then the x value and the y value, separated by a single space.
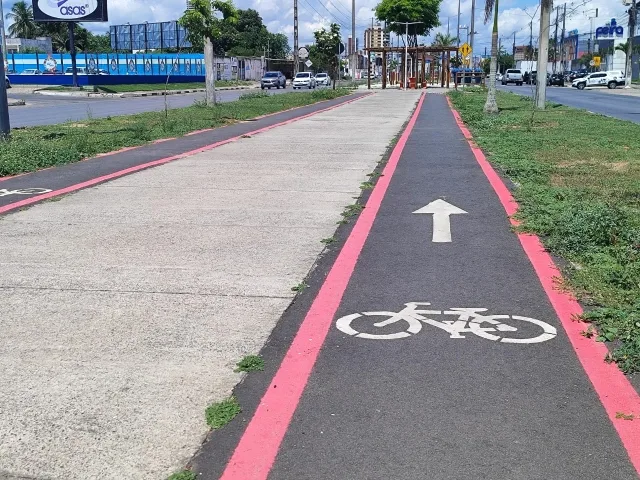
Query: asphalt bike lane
pixel 445 358
pixel 23 190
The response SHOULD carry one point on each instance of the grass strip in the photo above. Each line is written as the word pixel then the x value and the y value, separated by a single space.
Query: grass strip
pixel 146 87
pixel 33 148
pixel 578 186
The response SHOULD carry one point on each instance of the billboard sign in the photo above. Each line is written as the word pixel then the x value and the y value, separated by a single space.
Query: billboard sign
pixel 70 11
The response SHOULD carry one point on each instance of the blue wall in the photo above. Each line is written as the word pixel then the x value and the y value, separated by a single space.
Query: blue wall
pixel 85 80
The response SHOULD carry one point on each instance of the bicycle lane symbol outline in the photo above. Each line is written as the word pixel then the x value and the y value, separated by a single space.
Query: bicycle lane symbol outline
pixel 469 320
pixel 24 191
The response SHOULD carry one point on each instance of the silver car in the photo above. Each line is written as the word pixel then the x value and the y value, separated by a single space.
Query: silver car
pixel 323 79
pixel 273 79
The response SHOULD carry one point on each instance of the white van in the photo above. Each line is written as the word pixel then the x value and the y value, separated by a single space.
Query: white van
pixel 610 79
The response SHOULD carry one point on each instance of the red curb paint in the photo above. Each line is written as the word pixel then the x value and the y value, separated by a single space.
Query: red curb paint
pixel 259 445
pixel 616 393
pixel 155 163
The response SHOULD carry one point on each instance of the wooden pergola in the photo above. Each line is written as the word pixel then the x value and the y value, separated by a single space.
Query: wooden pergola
pixel 421 54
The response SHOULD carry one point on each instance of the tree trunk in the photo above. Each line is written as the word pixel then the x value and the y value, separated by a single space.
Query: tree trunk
pixel 492 106
pixel 543 53
pixel 210 75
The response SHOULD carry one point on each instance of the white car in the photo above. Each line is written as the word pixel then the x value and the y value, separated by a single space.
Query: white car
pixel 610 79
pixel 79 70
pixel 322 79
pixel 304 80
pixel 7 82
pixel 512 75
pixel 31 71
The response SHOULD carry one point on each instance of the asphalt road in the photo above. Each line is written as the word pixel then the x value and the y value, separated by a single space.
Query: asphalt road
pixel 624 107
pixel 449 399
pixel 50 110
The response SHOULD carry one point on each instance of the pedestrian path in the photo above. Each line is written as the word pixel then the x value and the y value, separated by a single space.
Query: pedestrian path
pixel 126 306
pixel 439 356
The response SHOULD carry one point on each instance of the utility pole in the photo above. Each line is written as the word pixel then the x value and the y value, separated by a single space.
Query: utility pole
pixel 354 53
pixel 5 126
pixel 458 34
pixel 531 40
pixel 473 26
pixel 296 61
pixel 555 40
pixel 564 22
pixel 514 49
pixel 633 16
pixel 543 53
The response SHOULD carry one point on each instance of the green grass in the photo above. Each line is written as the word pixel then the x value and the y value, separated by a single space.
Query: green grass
pixel 34 148
pixel 578 178
pixel 184 475
pixel 146 87
pixel 250 363
pixel 221 413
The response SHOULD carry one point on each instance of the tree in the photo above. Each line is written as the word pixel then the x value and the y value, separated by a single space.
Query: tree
pixel 491 6
pixel 21 16
pixel 543 52
pixel 444 40
pixel 324 54
pixel 279 45
pixel 205 27
pixel 98 43
pixel 396 12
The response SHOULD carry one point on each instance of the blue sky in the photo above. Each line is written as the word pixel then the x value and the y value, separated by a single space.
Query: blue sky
pixel 515 15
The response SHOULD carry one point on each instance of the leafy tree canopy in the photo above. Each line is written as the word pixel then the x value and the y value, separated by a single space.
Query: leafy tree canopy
pixel 400 11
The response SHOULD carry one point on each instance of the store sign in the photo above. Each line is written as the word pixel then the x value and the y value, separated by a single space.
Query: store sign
pixel 70 10
pixel 613 29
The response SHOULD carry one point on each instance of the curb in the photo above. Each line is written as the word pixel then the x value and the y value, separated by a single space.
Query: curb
pixel 153 93
pixel 16 103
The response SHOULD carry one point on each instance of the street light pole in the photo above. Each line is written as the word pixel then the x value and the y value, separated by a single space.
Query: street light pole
pixel 458 35
pixel 406 48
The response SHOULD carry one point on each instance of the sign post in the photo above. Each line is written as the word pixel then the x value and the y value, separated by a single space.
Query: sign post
pixel 72 12
pixel 5 126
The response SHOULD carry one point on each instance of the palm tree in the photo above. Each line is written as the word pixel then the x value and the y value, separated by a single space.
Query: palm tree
pixel 491 6
pixel 21 16
pixel 444 40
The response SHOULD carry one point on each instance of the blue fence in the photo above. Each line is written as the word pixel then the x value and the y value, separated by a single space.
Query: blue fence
pixel 103 80
pixel 140 65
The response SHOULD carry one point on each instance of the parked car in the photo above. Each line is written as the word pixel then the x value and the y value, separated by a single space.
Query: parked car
pixel 499 77
pixel 323 79
pixel 576 74
pixel 610 79
pixel 273 79
pixel 555 79
pixel 31 71
pixel 304 79
pixel 513 75
pixel 7 82
pixel 79 70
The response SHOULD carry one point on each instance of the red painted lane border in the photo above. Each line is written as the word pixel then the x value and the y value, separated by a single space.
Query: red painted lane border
pixel 259 445
pixel 614 389
pixel 155 163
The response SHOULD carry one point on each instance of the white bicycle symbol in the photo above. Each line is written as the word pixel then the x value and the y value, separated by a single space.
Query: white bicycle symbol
pixel 470 320
pixel 24 191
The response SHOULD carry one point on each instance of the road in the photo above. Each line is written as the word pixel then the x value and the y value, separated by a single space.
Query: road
pixel 624 107
pixel 50 110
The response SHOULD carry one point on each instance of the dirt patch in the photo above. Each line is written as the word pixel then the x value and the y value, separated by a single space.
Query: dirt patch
pixel 618 166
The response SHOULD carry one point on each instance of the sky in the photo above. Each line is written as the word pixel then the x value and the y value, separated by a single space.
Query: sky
pixel 514 16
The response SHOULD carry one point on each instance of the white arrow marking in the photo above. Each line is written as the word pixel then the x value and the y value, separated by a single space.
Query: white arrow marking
pixel 441 211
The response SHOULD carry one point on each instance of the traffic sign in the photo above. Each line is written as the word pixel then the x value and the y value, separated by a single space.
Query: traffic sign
pixel 308 63
pixel 303 53
pixel 592 63
pixel 596 61
pixel 465 49
pixel 372 57
pixel 341 49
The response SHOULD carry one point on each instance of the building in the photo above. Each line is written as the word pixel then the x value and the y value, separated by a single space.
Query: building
pixel 376 37
pixel 521 52
pixel 29 45
pixel 350 46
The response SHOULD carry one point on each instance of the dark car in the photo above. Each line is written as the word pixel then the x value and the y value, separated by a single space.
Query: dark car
pixel 555 79
pixel 273 79
pixel 578 74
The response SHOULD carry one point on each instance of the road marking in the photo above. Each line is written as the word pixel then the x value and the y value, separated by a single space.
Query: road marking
pixel 442 212
pixel 612 387
pixel 469 320
pixel 23 191
pixel 255 453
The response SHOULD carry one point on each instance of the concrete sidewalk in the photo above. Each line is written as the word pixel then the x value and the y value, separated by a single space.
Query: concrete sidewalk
pixel 127 305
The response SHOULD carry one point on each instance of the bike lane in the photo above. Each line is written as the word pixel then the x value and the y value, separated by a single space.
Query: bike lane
pixel 433 400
